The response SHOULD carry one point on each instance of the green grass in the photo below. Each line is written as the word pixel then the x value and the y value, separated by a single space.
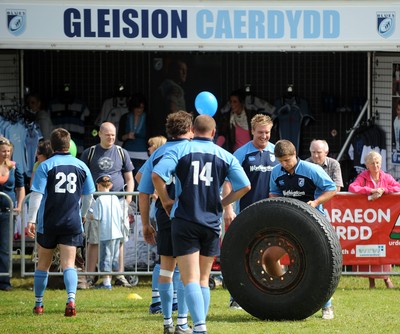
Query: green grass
pixel 357 310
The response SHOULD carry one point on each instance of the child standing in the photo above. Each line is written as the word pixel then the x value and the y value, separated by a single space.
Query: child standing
pixel 107 211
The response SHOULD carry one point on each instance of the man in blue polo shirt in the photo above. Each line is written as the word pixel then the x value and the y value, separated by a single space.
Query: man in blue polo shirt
pixel 200 168
pixel 61 184
pixel 257 159
pixel 304 181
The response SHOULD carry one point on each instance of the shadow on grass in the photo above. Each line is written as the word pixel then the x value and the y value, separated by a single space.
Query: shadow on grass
pixel 238 316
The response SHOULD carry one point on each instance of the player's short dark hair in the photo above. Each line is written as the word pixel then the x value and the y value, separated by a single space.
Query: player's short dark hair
pixel 284 147
pixel 60 139
pixel 178 123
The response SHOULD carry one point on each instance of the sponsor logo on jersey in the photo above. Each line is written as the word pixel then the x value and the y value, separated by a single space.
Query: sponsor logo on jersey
pixel 260 168
pixel 385 23
pixel 291 193
pixel 16 21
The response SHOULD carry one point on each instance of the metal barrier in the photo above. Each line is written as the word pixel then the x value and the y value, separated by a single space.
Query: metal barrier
pixel 23 237
pixel 346 272
pixel 11 236
pixel 135 242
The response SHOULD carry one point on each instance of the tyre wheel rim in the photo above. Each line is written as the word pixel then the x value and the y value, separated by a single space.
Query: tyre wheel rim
pixel 293 270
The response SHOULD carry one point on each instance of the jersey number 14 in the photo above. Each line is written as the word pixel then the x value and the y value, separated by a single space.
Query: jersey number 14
pixel 204 175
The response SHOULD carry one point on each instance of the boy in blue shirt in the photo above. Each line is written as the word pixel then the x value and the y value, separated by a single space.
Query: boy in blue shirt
pixel 108 213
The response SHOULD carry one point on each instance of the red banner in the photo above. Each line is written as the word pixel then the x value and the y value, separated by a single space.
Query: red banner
pixel 369 231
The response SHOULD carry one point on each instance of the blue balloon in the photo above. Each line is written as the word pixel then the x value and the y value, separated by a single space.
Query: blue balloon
pixel 206 104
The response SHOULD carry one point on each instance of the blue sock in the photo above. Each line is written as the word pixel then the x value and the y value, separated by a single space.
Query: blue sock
pixel 40 282
pixel 205 290
pixel 195 303
pixel 71 283
pixel 182 306
pixel 328 303
pixel 155 294
pixel 175 280
pixel 166 295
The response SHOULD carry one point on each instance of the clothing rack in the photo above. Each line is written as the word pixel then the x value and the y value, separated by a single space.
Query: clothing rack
pixel 365 124
pixel 352 130
pixel 12 113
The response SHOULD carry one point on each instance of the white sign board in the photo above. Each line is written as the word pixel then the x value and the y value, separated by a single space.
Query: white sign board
pixel 201 25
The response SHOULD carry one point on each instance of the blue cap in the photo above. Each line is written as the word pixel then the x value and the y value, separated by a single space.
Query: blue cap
pixel 103 178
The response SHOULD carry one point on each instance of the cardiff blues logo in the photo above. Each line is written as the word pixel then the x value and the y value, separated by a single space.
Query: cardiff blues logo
pixel 386 23
pixel 301 182
pixel 16 21
pixel 272 157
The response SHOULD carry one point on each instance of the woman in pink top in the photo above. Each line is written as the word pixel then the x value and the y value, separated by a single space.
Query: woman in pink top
pixel 235 126
pixel 374 182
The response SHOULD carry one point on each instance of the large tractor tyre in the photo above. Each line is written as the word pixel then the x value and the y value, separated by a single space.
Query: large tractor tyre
pixel 311 266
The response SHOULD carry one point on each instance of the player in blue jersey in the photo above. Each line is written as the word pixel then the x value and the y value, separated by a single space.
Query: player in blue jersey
pixel 200 168
pixel 304 181
pixel 178 128
pixel 61 194
pixel 155 306
pixel 257 159
pixel 299 179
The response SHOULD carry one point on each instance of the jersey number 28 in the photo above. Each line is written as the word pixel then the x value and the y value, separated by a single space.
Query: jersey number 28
pixel 66 183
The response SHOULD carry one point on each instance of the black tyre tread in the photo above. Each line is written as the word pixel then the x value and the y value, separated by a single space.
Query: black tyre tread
pixel 239 285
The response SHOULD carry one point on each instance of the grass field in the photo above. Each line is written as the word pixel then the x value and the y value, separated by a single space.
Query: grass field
pixel 357 310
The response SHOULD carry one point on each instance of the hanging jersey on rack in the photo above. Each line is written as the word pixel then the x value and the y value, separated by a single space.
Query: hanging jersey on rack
pixel 111 111
pixel 365 139
pixel 25 137
pixel 71 116
pixel 291 114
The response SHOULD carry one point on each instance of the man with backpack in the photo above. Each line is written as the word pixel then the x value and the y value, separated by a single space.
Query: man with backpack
pixel 108 158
